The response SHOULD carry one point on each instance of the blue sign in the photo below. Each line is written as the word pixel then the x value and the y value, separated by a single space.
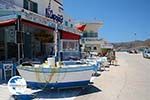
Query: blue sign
pixel 50 14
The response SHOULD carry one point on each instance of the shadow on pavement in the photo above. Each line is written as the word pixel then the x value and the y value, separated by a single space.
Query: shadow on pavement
pixel 89 90
pixel 59 94
pixel 67 93
pixel 3 82
pixel 96 74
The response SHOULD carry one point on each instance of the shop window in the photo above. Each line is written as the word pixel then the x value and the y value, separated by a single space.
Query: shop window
pixel 65 56
pixel 71 25
pixel 90 34
pixel 66 23
pixel 70 46
pixel 30 5
pixel 25 4
pixel 33 6
pixel 7 43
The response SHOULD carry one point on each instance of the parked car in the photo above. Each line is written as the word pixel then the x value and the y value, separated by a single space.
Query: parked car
pixel 134 51
pixel 130 51
pixel 146 53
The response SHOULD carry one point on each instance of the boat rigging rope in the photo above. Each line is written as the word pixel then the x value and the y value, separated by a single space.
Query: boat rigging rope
pixel 53 71
pixel 37 74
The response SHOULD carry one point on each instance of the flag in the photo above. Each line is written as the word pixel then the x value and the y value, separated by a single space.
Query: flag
pixel 81 27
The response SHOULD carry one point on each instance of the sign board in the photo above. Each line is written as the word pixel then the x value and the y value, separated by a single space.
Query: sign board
pixel 7 67
pixel 50 14
pixel 39 19
pixel 17 85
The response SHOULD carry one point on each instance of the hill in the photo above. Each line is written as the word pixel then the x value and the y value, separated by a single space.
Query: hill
pixel 138 44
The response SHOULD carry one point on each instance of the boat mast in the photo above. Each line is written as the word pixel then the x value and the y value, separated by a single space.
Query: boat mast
pixel 56 39
pixel 57 44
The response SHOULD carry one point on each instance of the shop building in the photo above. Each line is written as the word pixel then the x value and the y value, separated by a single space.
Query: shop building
pixel 28 31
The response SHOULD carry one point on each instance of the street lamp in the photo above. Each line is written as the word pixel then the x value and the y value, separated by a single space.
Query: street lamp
pixel 135 36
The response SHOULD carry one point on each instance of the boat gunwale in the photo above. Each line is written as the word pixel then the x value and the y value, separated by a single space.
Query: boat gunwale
pixel 56 69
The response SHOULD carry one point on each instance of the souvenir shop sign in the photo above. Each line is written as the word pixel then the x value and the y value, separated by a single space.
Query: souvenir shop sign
pixel 38 19
pixel 56 17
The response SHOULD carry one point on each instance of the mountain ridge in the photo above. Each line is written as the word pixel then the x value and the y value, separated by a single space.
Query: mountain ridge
pixel 137 44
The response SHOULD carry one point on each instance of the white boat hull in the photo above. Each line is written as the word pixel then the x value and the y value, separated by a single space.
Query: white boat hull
pixel 58 77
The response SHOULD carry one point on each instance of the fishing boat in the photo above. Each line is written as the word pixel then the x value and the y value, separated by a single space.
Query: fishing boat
pixel 58 73
pixel 68 74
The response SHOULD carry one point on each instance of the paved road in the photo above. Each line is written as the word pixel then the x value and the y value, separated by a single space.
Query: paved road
pixel 129 81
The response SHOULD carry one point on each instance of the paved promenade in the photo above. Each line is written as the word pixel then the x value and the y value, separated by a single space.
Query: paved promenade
pixel 128 81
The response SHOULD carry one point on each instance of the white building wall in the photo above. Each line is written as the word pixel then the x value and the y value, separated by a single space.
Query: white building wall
pixel 68 19
pixel 42 5
pixel 19 3
pixel 55 6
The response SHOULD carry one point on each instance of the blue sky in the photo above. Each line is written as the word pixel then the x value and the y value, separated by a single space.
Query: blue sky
pixel 121 18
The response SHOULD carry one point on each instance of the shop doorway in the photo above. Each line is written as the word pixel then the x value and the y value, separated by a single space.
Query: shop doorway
pixel 38 42
pixel 27 45
pixel 8 45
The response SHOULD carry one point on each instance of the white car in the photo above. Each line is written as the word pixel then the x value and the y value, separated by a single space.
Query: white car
pixel 146 53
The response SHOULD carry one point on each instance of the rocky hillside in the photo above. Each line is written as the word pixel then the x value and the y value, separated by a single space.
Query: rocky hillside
pixel 132 45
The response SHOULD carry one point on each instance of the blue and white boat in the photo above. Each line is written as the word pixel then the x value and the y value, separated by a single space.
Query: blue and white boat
pixel 67 75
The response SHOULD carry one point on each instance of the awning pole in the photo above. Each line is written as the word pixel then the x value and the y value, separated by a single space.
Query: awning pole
pixel 19 39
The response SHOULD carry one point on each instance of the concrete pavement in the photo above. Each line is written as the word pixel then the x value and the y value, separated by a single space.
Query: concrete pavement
pixel 128 81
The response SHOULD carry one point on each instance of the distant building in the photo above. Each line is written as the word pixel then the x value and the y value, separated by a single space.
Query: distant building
pixel 90 40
